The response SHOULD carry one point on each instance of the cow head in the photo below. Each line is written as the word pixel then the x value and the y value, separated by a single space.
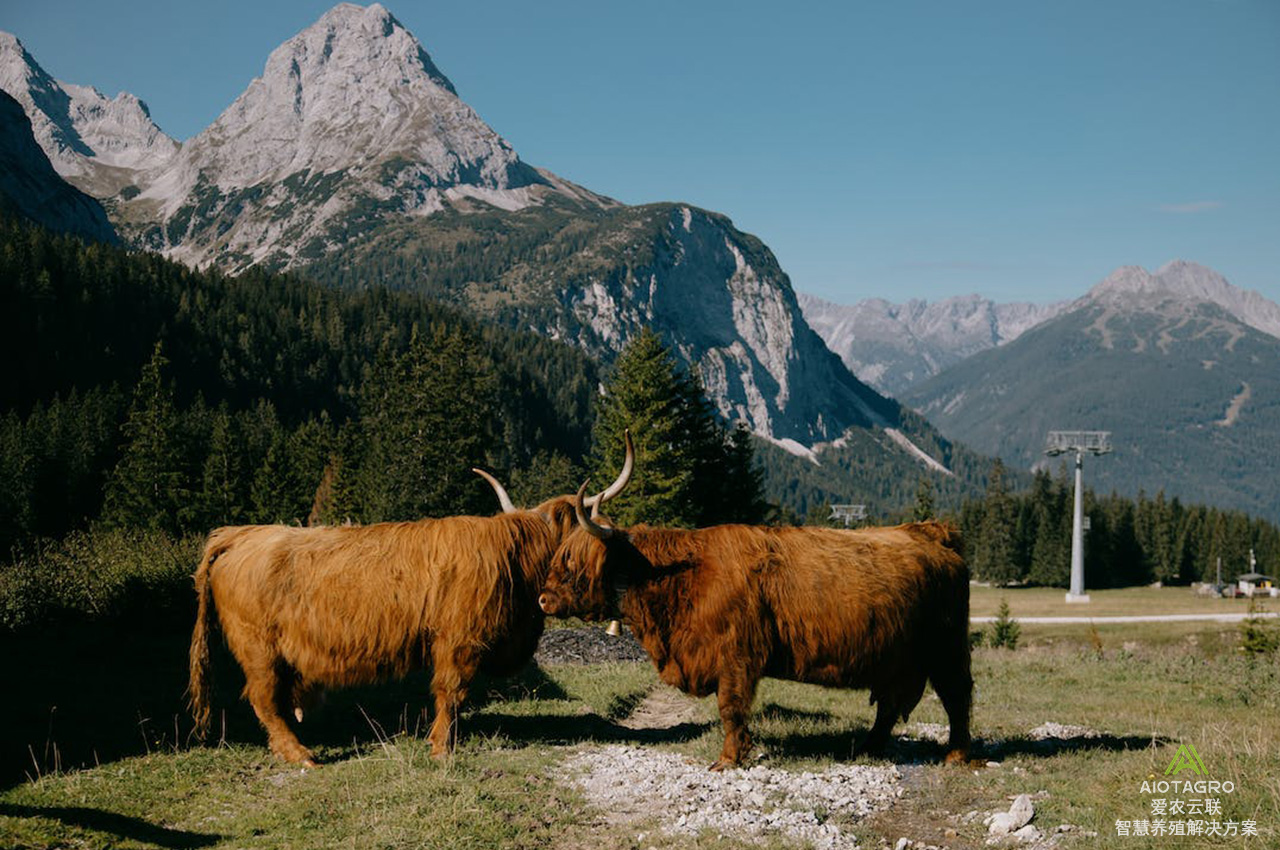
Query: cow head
pixel 588 571
pixel 559 510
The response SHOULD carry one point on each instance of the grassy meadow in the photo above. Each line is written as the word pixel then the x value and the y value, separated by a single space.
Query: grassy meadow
pixel 1140 691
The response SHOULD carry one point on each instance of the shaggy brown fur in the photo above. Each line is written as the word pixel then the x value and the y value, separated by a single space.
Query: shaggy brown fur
pixel 306 608
pixel 718 608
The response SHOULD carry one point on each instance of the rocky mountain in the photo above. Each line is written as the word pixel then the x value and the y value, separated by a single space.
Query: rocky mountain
pixel 98 144
pixel 893 346
pixel 1173 363
pixel 353 159
pixel 350 122
pixel 31 188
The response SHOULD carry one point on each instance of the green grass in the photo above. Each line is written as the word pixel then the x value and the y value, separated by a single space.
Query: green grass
pixel 379 788
pixel 1051 602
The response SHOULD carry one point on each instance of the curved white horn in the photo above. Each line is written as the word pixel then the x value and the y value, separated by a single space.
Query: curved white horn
pixel 601 531
pixel 623 479
pixel 503 498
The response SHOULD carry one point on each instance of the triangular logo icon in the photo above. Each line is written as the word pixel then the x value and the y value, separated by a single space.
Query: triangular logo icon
pixel 1186 758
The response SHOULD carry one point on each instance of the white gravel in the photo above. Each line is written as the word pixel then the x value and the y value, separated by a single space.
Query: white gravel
pixel 681 796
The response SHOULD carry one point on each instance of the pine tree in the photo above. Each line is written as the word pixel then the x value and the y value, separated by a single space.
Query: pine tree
pixel 923 509
pixel 688 471
pixel 993 556
pixel 220 498
pixel 426 417
pixel 146 488
pixel 742 484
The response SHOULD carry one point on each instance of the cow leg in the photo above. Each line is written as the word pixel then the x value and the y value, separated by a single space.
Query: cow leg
pixel 269 687
pixel 894 701
pixel 887 713
pixel 453 669
pixel 735 694
pixel 954 686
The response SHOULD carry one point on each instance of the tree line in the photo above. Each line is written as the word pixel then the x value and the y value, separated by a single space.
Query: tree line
pixel 1025 537
pixel 271 399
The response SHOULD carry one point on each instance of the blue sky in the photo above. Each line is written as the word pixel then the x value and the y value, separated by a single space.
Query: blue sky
pixel 908 149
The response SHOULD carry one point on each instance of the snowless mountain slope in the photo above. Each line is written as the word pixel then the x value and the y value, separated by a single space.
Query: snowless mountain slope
pixel 892 346
pixel 99 144
pixel 31 188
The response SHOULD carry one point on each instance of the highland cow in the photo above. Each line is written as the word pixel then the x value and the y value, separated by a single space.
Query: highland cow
pixel 719 608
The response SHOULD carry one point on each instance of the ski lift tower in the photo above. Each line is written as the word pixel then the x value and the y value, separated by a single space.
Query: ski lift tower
pixel 848 514
pixel 1080 442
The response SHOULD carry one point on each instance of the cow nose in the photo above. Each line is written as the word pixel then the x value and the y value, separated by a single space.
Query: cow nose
pixel 546 603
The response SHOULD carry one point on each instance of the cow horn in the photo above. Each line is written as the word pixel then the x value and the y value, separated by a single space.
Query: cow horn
pixel 603 532
pixel 503 498
pixel 624 477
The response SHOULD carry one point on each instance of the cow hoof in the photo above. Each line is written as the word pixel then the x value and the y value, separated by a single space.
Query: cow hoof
pixel 720 765
pixel 311 763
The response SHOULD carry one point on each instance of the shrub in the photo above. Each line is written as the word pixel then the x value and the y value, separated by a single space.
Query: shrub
pixel 99 576
pixel 1259 635
pixel 1005 630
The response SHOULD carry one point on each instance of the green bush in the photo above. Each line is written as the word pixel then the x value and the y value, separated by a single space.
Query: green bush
pixel 1005 630
pixel 99 576
pixel 1258 635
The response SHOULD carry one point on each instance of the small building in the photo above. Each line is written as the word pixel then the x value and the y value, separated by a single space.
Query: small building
pixel 1256 584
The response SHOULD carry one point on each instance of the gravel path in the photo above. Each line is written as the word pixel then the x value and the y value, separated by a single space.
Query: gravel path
pixel 679 796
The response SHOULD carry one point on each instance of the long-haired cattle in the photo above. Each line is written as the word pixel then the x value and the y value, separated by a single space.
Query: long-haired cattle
pixel 306 608
pixel 719 608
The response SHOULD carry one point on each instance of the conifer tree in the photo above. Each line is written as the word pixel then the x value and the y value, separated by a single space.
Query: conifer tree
pixel 426 416
pixel 742 483
pixel 220 499
pixel 688 472
pixel 146 488
pixel 993 557
pixel 923 509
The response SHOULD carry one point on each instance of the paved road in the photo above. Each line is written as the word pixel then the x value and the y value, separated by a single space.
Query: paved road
pixel 1143 618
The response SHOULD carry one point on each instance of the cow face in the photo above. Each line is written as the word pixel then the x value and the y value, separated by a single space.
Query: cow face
pixel 578 584
pixel 587 577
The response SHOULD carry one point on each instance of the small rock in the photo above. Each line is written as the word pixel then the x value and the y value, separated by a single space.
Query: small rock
pixel 1018 816
pixel 993 764
pixel 1027 834
pixel 903 844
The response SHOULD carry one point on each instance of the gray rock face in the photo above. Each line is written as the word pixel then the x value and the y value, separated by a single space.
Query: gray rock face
pixel 718 297
pixel 350 122
pixel 98 143
pixel 892 346
pixel 30 187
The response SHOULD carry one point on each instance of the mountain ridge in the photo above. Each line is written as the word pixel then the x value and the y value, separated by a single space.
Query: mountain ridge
pixel 352 159
pixel 1188 389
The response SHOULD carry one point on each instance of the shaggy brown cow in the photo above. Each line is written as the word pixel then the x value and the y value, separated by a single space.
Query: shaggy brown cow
pixel 718 608
pixel 306 608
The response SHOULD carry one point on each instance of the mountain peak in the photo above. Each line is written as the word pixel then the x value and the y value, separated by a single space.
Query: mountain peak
pixel 1187 283
pixel 87 136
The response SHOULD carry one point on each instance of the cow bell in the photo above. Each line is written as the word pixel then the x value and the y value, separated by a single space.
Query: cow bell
pixel 614 629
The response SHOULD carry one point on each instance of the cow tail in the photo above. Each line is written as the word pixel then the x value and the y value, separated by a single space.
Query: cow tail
pixel 200 685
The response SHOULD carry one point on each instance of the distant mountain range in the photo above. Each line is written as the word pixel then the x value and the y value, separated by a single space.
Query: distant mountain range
pixel 353 160
pixel 892 346
pixel 1182 367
